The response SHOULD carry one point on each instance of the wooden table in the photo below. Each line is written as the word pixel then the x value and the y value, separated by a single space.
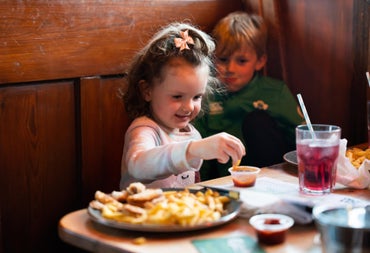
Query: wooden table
pixel 77 229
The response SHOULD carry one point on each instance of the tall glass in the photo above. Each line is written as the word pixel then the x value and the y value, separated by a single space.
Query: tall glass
pixel 317 158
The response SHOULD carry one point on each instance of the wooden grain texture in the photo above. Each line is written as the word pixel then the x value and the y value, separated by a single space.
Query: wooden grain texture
pixel 103 126
pixel 320 59
pixel 38 182
pixel 43 40
pixel 361 64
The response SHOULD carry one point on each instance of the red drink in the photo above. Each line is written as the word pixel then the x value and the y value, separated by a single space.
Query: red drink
pixel 317 165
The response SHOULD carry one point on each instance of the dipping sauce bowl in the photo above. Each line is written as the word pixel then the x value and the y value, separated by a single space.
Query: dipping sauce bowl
pixel 244 176
pixel 271 229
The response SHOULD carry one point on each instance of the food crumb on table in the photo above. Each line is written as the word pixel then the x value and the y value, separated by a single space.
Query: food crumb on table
pixel 139 240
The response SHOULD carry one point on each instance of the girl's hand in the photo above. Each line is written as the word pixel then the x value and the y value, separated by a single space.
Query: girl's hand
pixel 220 146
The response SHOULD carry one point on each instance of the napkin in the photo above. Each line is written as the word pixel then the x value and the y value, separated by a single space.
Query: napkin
pixel 349 175
pixel 258 203
pixel 271 195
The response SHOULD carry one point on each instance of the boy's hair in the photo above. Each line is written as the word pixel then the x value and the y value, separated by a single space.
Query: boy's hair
pixel 147 65
pixel 240 29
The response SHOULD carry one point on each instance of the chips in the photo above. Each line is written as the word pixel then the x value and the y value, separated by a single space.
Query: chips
pixel 357 156
pixel 154 206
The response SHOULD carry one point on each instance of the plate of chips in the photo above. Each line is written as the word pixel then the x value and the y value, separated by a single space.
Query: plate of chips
pixel 164 210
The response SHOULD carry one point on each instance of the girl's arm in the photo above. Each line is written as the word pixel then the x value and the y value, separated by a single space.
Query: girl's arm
pixel 150 156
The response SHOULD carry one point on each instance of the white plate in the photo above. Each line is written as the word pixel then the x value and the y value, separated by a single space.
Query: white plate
pixel 232 210
pixel 291 157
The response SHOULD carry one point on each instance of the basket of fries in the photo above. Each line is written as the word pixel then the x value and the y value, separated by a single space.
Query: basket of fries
pixel 353 168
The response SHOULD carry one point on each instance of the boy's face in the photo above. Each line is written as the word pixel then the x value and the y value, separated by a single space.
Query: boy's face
pixel 237 70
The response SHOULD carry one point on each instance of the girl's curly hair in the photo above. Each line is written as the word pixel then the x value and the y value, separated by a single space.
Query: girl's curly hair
pixel 150 60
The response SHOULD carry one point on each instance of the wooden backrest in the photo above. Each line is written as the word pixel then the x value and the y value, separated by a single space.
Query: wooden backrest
pixel 68 39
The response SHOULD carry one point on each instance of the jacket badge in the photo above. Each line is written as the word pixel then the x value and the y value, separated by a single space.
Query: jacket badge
pixel 215 108
pixel 260 105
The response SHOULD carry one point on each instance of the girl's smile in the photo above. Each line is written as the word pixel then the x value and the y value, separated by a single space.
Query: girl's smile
pixel 176 97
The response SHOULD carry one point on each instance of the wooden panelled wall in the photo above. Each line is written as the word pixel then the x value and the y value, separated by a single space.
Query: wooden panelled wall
pixel 62 123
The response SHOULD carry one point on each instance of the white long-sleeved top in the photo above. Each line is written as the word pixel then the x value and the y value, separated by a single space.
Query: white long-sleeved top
pixel 156 156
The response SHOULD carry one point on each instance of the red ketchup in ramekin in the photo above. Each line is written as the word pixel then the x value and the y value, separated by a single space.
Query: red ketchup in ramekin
pixel 271 229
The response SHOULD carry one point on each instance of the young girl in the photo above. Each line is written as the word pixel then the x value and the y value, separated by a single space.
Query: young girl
pixel 166 83
pixel 259 110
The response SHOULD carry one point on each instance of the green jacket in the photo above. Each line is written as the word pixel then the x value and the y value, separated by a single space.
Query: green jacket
pixel 227 112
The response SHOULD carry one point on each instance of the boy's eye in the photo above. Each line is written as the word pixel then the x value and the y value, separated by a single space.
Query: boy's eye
pixel 242 60
pixel 177 96
pixel 222 59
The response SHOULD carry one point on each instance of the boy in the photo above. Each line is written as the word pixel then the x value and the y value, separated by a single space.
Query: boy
pixel 259 110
